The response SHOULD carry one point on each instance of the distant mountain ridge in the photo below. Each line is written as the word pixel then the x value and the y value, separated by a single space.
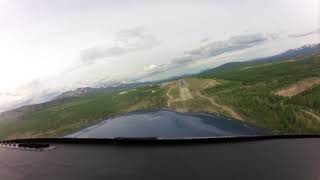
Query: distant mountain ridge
pixel 306 50
pixel 93 90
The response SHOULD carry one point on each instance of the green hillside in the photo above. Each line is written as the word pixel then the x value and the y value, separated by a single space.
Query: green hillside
pixel 62 117
pixel 251 91
pixel 292 54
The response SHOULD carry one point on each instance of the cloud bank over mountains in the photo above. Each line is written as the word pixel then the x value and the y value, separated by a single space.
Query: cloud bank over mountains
pixel 213 49
pixel 316 31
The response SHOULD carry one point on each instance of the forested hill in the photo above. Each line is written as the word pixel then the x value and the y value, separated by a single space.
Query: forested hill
pixel 294 54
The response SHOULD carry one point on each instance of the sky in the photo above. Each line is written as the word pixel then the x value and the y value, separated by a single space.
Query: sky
pixel 47 47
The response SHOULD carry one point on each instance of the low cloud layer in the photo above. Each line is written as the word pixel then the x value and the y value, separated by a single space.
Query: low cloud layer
pixel 317 31
pixel 232 44
pixel 212 49
pixel 126 41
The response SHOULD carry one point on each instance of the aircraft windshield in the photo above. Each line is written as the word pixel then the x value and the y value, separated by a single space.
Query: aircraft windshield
pixel 167 69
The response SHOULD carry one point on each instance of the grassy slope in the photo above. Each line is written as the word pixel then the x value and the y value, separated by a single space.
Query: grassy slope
pixel 66 117
pixel 250 92
pixel 175 92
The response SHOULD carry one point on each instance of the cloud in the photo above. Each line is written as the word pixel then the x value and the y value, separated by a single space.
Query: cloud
pixel 36 91
pixel 232 44
pixel 126 41
pixel 5 94
pixel 152 66
pixel 212 49
pixel 317 31
pixel 205 40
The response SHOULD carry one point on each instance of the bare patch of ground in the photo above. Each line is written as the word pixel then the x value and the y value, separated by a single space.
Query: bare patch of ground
pixel 250 67
pixel 289 61
pixel 299 87
pixel 268 64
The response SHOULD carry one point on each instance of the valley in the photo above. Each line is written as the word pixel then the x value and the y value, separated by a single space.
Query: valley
pixel 279 96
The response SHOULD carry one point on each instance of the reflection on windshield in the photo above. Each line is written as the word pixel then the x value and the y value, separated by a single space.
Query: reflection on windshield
pixel 168 124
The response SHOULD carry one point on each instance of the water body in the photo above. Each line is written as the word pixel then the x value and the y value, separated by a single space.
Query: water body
pixel 168 124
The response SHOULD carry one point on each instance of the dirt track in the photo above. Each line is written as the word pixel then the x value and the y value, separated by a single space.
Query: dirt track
pixel 222 107
pixel 170 97
pixel 312 114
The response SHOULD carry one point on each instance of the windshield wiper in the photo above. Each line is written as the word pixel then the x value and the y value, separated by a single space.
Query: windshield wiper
pixel 135 138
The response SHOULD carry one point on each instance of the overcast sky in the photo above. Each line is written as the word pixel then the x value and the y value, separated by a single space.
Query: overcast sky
pixel 49 46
